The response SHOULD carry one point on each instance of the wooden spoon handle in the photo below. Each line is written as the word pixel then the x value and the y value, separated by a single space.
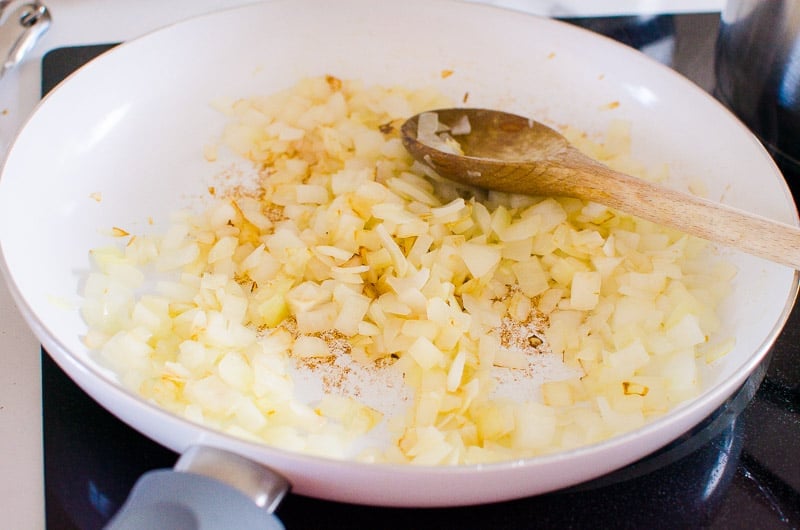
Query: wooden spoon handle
pixel 747 232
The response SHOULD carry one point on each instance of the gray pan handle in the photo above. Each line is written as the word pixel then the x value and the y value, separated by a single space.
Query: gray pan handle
pixel 208 489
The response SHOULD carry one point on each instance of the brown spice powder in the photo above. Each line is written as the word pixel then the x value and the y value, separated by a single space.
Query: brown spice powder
pixel 527 336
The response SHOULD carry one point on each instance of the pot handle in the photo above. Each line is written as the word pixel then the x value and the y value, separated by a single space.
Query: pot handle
pixel 208 488
pixel 22 28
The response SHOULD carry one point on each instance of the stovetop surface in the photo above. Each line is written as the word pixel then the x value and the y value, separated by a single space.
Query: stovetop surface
pixel 738 469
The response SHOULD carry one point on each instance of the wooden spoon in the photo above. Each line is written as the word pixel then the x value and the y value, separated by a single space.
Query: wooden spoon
pixel 514 154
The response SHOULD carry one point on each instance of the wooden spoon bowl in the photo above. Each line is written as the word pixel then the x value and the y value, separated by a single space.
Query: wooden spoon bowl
pixel 511 153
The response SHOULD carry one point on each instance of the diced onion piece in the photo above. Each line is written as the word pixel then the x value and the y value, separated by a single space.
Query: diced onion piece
pixel 425 353
pixel 480 259
pixel 461 127
pixel 308 346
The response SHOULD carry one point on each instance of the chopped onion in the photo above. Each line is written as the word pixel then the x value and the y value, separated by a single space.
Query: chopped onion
pixel 353 259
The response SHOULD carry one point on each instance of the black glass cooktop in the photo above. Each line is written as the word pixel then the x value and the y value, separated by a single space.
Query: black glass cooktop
pixel 739 469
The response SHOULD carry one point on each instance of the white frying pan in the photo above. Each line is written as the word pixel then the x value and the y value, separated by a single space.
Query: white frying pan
pixel 132 125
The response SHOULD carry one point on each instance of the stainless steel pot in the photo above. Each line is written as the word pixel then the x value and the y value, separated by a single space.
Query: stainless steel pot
pixel 758 74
